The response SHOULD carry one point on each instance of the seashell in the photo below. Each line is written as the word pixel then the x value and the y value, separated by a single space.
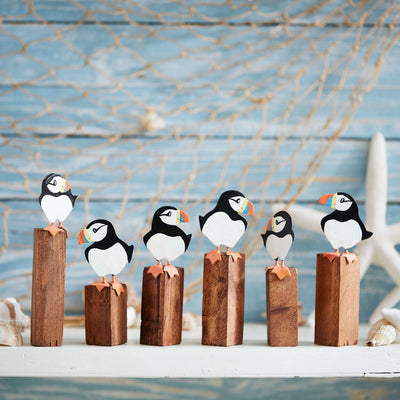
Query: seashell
pixel 381 333
pixel 190 321
pixel 11 314
pixel 10 335
pixel 393 316
pixel 151 121
pixel 131 316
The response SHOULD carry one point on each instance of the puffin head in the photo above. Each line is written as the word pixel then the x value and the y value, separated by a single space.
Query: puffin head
pixel 170 216
pixel 96 231
pixel 236 201
pixel 279 221
pixel 55 184
pixel 339 201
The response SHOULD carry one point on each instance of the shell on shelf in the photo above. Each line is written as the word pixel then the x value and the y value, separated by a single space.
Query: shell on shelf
pixel 10 335
pixel 12 314
pixel 382 333
pixel 190 321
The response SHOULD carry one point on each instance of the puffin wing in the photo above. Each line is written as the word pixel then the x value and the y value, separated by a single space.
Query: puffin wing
pixel 128 249
pixel 87 253
pixel 187 239
pixel 147 236
pixel 202 220
pixel 264 237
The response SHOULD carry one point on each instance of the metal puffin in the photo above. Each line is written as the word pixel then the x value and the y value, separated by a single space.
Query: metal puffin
pixel 278 239
pixel 224 226
pixel 343 227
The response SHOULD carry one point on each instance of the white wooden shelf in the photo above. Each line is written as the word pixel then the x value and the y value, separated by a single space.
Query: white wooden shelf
pixel 190 359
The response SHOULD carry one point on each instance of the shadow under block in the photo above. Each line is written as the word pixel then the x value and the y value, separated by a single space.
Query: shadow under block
pixel 105 316
pixel 223 301
pixel 337 299
pixel 162 306
pixel 48 288
pixel 282 309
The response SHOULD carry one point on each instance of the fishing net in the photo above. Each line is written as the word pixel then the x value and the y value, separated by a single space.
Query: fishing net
pixel 141 104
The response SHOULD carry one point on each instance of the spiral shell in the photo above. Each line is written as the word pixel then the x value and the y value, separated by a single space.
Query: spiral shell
pixel 382 333
pixel 10 335
pixel 11 314
pixel 393 316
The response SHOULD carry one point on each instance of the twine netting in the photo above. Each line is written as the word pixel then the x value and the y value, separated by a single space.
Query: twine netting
pixel 140 104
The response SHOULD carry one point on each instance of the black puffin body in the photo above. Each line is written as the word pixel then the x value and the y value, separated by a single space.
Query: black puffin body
pixel 224 225
pixel 166 240
pixel 56 198
pixel 278 238
pixel 108 254
pixel 343 227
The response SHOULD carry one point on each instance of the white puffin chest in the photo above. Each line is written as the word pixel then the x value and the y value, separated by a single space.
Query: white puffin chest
pixel 343 234
pixel 108 261
pixel 163 246
pixel 56 208
pixel 220 229
pixel 278 247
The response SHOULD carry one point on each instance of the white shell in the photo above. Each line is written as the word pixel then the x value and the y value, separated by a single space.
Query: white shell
pixel 131 316
pixel 381 333
pixel 11 314
pixel 10 335
pixel 393 316
pixel 190 321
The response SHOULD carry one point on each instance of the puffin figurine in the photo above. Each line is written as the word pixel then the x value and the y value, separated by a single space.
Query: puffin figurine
pixel 166 240
pixel 108 255
pixel 343 227
pixel 56 201
pixel 224 225
pixel 278 240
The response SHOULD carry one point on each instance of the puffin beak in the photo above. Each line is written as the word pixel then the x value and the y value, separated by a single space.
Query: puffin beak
pixel 247 207
pixel 84 237
pixel 329 200
pixel 270 225
pixel 181 216
pixel 65 186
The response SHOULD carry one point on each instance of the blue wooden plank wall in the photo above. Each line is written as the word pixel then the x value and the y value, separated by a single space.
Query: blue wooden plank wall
pixel 277 99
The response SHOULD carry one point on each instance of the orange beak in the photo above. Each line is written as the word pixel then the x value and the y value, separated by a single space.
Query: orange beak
pixel 324 199
pixel 183 216
pixel 269 225
pixel 67 186
pixel 81 238
pixel 251 208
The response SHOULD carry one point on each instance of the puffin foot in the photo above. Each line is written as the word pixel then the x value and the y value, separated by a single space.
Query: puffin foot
pixel 171 270
pixel 53 230
pixel 61 226
pixel 350 257
pixel 332 255
pixel 279 270
pixel 234 255
pixel 118 287
pixel 156 270
pixel 214 256
pixel 101 285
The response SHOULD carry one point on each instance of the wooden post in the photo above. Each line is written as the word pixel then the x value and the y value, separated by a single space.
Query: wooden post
pixel 105 316
pixel 282 309
pixel 162 306
pixel 337 301
pixel 223 301
pixel 48 288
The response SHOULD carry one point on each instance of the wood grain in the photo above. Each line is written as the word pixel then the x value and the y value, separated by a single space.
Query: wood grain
pixel 105 316
pixel 282 309
pixel 337 301
pixel 48 288
pixel 223 301
pixel 162 305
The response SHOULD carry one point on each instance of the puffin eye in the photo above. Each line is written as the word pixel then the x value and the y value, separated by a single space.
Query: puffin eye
pixel 342 200
pixel 95 230
pixel 169 213
pixel 236 200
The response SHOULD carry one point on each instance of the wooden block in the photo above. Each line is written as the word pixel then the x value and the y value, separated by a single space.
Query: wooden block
pixel 282 309
pixel 162 306
pixel 48 288
pixel 105 316
pixel 223 301
pixel 337 301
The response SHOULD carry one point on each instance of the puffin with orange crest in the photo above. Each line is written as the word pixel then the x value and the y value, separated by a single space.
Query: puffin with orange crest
pixel 108 254
pixel 278 240
pixel 56 201
pixel 224 225
pixel 166 240
pixel 343 227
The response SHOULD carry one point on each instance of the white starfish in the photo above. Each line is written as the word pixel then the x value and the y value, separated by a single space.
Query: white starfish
pixel 380 248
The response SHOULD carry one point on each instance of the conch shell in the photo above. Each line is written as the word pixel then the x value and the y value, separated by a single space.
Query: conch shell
pixel 11 314
pixel 10 335
pixel 382 333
